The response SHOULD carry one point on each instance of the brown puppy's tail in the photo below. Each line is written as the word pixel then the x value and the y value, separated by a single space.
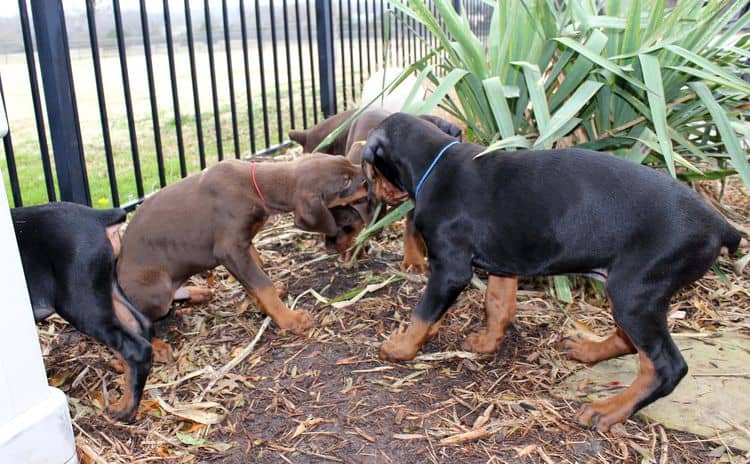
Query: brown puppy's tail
pixel 298 136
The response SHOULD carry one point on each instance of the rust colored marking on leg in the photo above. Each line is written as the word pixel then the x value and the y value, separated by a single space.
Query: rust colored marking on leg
pixel 604 413
pixel 123 408
pixel 297 322
pixel 194 294
pixel 404 345
pixel 500 306
pixel 256 256
pixel 113 234
pixel 123 314
pixel 161 352
pixel 414 249
pixel 589 351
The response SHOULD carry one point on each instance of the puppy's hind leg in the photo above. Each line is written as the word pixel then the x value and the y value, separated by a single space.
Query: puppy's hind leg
pixel 641 312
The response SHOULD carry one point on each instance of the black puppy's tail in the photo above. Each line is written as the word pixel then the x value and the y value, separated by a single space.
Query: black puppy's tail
pixel 143 321
pixel 108 217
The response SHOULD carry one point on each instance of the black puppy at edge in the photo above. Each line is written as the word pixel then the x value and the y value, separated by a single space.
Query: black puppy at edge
pixel 529 213
pixel 68 253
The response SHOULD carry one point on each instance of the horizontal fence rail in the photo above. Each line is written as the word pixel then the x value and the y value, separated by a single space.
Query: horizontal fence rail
pixel 158 90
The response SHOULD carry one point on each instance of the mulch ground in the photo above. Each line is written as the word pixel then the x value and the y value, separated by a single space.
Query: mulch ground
pixel 328 398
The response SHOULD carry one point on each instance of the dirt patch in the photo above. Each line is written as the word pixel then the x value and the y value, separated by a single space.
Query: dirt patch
pixel 328 398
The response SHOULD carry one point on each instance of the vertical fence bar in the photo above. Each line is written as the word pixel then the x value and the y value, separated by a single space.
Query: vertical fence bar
pixel 175 94
pixel 94 43
pixel 277 87
pixel 367 38
pixel 59 94
pixel 194 80
pixel 212 73
pixel 122 51
pixel 351 50
pixel 152 94
pixel 324 26
pixel 10 158
pixel 375 37
pixel 290 90
pixel 359 41
pixel 248 83
pixel 343 52
pixel 402 44
pixel 264 98
pixel 230 74
pixel 315 108
pixel 302 79
pixel 28 46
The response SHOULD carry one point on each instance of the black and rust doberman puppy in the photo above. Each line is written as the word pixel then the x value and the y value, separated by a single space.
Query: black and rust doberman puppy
pixel 68 253
pixel 529 213
pixel 350 143
pixel 210 218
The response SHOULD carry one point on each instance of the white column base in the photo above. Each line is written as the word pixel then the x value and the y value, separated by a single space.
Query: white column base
pixel 40 435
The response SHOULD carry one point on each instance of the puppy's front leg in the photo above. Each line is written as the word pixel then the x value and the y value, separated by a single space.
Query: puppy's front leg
pixel 240 261
pixel 414 248
pixel 448 277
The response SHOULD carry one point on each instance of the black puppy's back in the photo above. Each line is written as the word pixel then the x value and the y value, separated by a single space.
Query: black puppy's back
pixel 545 201
pixel 59 243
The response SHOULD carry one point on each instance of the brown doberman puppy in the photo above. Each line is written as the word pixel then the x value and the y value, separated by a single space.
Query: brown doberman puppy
pixel 350 143
pixel 210 218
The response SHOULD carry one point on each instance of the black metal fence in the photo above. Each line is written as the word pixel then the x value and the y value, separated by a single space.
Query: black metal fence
pixel 136 96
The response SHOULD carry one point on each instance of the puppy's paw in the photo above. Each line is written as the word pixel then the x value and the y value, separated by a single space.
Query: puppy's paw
pixel 601 415
pixel 123 410
pixel 398 348
pixel 281 289
pixel 414 266
pixel 160 352
pixel 481 342
pixel 579 349
pixel 299 323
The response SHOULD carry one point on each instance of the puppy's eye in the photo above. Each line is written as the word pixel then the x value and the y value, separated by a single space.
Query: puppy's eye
pixel 347 182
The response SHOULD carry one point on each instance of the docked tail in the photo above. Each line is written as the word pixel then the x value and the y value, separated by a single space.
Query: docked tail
pixel 107 217
pixel 730 238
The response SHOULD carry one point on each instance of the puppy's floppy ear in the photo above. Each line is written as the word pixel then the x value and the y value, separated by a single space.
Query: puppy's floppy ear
pixel 445 126
pixel 376 144
pixel 298 136
pixel 311 214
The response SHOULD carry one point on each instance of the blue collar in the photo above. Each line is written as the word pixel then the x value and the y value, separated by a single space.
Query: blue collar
pixel 432 166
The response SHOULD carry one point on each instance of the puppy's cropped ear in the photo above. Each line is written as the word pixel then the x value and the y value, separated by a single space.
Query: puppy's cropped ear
pixel 445 126
pixel 311 214
pixel 298 136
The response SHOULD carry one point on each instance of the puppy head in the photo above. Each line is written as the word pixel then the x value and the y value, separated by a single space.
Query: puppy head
pixel 324 182
pixel 393 149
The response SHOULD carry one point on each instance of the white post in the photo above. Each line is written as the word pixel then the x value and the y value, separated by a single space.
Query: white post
pixel 34 419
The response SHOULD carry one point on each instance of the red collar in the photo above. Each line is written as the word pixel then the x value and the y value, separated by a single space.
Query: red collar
pixel 257 189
